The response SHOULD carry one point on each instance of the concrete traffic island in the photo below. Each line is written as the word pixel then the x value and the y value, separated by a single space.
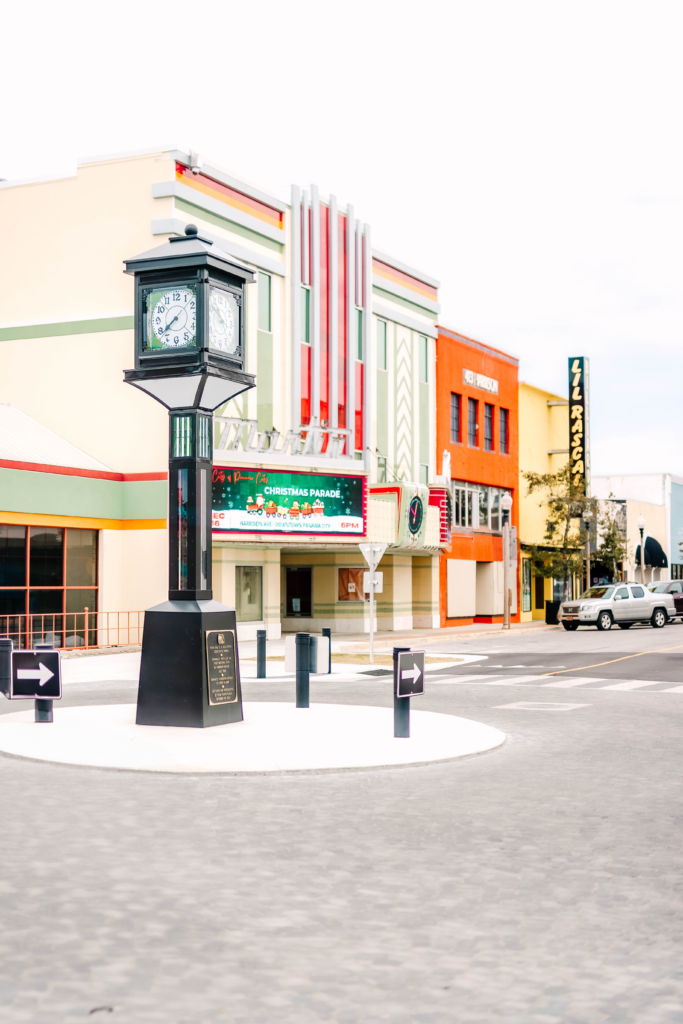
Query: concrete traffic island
pixel 273 738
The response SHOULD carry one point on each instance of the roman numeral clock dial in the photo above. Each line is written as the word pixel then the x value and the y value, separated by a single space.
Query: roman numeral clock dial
pixel 172 318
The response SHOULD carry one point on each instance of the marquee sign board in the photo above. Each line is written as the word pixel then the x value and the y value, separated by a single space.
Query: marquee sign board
pixel 410 674
pixel 36 674
pixel 579 427
pixel 277 501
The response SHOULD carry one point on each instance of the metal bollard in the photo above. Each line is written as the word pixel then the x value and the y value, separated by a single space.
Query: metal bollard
pixel 260 654
pixel 43 707
pixel 6 646
pixel 327 631
pixel 302 641
pixel 401 704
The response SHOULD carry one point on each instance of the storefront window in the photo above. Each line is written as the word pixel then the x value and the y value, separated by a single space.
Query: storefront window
pixel 351 585
pixel 484 506
pixel 48 577
pixel 526 585
pixel 249 593
pixel 298 592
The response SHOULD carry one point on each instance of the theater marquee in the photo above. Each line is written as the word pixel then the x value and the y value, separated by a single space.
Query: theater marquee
pixel 267 501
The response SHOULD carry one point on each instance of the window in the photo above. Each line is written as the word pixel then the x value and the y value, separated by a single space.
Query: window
pixel 472 425
pixel 305 316
pixel 484 507
pixel 424 474
pixel 526 585
pixel 495 509
pixel 637 591
pixel 249 593
pixel 488 427
pixel 381 470
pixel 351 585
pixel 48 577
pixel 455 418
pixel 359 334
pixel 424 357
pixel 264 302
pixel 381 345
pixel 504 440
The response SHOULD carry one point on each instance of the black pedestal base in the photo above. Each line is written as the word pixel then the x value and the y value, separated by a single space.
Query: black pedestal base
pixel 174 686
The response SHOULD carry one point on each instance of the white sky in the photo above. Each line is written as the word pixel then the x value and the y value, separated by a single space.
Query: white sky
pixel 528 154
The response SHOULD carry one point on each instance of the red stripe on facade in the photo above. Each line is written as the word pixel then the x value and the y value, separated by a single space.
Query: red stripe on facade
pixel 94 474
pixel 384 270
pixel 259 209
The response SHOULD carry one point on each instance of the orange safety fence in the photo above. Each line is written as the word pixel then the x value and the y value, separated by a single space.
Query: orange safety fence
pixel 74 630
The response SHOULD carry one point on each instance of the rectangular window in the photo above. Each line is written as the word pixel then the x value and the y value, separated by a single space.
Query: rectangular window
pixel 455 418
pixel 249 593
pixel 488 427
pixel 351 585
pixel 381 345
pixel 359 334
pixel 424 357
pixel 305 316
pixel 526 585
pixel 504 432
pixel 298 592
pixel 424 474
pixel 484 506
pixel 472 425
pixel 381 470
pixel 264 302
pixel 495 509
pixel 12 556
pixel 47 571
pixel 539 592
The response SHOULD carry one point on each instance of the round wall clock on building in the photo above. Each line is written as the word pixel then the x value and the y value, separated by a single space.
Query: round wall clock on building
pixel 189 323
pixel 415 514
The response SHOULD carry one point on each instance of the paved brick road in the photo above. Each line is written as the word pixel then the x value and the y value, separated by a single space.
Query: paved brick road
pixel 537 884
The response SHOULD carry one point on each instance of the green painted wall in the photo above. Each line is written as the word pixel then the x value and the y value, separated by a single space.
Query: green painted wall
pixel 228 225
pixel 67 328
pixel 54 494
pixel 264 379
pixel 383 412
pixel 424 424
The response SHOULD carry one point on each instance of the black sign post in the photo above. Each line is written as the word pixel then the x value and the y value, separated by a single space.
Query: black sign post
pixel 409 673
pixel 36 675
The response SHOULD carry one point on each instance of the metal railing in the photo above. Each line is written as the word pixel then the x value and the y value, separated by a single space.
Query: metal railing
pixel 74 630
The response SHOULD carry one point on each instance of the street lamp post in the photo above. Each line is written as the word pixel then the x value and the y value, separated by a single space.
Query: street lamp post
pixel 506 506
pixel 641 527
pixel 189 356
pixel 588 516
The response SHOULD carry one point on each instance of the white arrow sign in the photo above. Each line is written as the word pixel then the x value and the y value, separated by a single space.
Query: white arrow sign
pixel 42 673
pixel 413 673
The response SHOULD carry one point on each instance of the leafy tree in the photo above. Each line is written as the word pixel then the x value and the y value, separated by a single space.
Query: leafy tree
pixel 564 499
pixel 612 546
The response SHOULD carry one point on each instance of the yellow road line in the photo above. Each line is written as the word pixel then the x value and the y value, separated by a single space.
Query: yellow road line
pixel 659 650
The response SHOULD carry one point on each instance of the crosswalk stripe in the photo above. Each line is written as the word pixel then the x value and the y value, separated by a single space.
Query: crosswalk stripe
pixel 567 684
pixel 630 684
pixel 672 689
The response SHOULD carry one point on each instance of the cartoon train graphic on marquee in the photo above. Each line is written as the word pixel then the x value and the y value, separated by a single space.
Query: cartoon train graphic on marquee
pixel 261 506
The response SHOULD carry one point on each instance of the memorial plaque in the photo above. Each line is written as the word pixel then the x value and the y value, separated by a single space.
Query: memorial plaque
pixel 221 666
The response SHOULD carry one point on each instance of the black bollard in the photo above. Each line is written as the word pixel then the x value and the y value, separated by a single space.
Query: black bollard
pixel 260 654
pixel 327 631
pixel 6 646
pixel 401 704
pixel 302 641
pixel 43 707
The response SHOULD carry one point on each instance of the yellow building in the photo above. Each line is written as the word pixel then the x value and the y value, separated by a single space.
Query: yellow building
pixel 543 448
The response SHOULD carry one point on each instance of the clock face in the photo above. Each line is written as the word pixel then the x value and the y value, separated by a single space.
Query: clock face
pixel 224 322
pixel 415 514
pixel 172 317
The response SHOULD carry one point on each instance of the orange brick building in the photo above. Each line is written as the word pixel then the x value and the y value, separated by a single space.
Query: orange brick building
pixel 477 446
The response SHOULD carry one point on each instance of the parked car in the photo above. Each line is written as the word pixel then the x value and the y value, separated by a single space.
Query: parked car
pixel 623 603
pixel 670 591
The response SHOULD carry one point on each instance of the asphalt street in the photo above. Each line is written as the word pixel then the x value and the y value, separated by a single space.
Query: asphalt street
pixel 535 884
